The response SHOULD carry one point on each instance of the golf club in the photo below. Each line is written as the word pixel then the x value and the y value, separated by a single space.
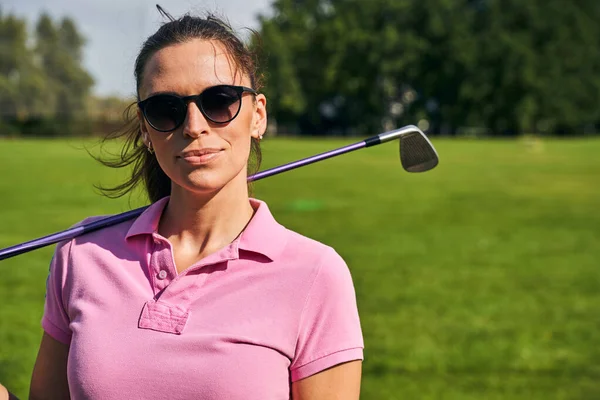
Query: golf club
pixel 417 154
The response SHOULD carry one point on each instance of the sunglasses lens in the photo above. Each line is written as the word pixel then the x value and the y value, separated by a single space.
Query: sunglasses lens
pixel 220 103
pixel 165 112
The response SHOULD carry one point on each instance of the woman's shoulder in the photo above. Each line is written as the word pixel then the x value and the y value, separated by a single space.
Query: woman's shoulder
pixel 100 244
pixel 267 233
pixel 301 241
pixel 89 220
pixel 109 232
pixel 310 250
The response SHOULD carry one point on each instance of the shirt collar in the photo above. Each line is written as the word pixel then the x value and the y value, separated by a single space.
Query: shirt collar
pixel 263 234
pixel 147 222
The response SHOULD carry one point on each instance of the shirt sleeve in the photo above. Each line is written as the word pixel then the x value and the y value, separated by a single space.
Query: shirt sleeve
pixel 330 331
pixel 55 320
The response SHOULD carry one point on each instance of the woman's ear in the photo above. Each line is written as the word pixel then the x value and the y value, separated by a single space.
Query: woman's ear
pixel 143 129
pixel 259 122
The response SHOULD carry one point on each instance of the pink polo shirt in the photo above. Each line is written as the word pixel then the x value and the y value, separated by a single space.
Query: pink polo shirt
pixel 271 308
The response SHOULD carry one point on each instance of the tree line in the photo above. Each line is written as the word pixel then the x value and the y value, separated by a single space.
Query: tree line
pixel 44 88
pixel 491 66
pixel 356 67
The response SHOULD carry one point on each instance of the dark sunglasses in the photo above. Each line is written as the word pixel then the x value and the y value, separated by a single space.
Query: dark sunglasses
pixel 219 104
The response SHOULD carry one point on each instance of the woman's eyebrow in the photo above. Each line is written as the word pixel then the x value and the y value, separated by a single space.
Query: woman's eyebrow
pixel 185 95
pixel 164 92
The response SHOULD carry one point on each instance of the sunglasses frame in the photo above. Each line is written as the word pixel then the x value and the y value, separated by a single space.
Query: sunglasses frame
pixel 196 98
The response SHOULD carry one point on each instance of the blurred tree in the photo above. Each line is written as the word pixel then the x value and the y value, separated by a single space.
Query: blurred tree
pixel 23 93
pixel 75 80
pixel 537 65
pixel 44 89
pixel 45 50
pixel 109 108
pixel 13 57
pixel 355 66
pixel 279 48
pixel 329 62
pixel 59 52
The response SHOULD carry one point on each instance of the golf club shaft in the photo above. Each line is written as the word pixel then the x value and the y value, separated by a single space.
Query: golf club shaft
pixel 116 219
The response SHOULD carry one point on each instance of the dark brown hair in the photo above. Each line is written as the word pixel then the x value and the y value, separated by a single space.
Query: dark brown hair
pixel 144 166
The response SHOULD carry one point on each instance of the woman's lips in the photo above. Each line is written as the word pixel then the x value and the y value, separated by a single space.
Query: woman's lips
pixel 199 157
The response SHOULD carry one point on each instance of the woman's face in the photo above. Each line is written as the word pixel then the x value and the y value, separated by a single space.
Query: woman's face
pixel 201 156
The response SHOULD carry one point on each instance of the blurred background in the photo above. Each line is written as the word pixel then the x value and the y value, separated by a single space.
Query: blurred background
pixel 479 279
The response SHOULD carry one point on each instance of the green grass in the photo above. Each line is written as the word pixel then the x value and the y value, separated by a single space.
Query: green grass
pixel 478 280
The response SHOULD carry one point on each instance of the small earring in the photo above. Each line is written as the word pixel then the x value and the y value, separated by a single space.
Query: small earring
pixel 260 137
pixel 150 149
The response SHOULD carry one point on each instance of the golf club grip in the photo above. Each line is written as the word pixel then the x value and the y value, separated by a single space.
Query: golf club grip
pixel 71 233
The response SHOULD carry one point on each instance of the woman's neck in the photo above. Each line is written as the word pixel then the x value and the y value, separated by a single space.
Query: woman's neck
pixel 200 224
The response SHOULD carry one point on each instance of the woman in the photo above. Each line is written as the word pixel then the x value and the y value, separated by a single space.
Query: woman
pixel 204 295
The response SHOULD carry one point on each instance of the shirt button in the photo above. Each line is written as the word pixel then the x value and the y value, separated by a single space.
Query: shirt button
pixel 162 274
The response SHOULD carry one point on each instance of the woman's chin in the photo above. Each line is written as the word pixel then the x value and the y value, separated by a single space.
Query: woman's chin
pixel 205 184
pixel 203 188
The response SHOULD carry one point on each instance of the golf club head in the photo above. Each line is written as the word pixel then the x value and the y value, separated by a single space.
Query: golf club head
pixel 417 154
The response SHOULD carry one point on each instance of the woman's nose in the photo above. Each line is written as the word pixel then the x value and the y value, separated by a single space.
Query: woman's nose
pixel 195 123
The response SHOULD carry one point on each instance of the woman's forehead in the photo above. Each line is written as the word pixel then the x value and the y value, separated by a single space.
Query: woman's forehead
pixel 189 68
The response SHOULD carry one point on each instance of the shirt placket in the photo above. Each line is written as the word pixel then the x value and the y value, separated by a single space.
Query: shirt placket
pixel 162 266
pixel 169 309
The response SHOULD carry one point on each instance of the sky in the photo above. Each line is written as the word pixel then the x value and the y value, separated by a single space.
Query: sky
pixel 116 29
